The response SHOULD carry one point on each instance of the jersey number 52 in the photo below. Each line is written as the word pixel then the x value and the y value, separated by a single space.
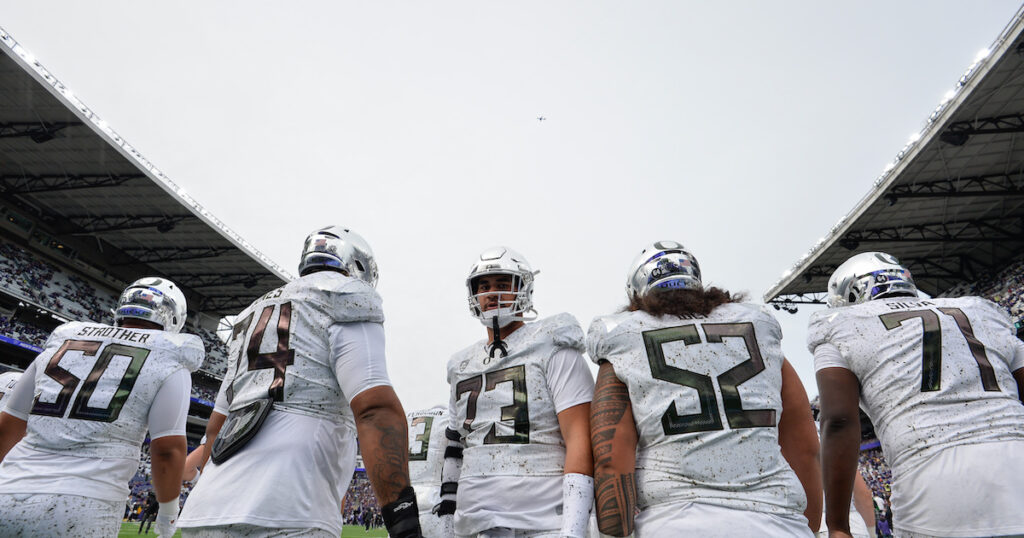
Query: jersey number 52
pixel 708 418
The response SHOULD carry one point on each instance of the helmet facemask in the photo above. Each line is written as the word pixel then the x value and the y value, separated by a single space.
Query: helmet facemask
pixel 508 309
pixel 502 261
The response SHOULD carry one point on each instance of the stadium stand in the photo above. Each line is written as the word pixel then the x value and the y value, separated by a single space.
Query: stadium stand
pixel 1005 287
pixel 83 213
pixel 949 206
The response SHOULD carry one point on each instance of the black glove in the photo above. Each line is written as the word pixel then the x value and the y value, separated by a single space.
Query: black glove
pixel 402 517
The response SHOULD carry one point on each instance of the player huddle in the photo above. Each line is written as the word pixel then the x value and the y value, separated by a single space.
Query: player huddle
pixel 696 425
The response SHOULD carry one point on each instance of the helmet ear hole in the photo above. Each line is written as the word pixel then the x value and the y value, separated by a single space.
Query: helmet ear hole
pixel 359 265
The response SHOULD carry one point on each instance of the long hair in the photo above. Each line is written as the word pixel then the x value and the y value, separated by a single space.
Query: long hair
pixel 683 303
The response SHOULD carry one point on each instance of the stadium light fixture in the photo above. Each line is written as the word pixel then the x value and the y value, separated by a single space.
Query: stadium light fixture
pixel 849 244
pixel 954 138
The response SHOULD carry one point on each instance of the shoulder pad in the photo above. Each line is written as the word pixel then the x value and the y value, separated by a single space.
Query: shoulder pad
pixel 565 331
pixel 190 351
pixel 596 334
pixel 350 299
pixel 819 328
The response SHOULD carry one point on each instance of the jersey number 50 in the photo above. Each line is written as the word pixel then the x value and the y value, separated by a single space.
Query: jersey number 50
pixel 708 418
pixel 69 382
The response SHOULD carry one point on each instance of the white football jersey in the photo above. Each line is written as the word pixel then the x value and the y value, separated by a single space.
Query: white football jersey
pixel 295 470
pixel 280 344
pixel 706 398
pixel 934 373
pixel 94 385
pixel 426 445
pixel 7 382
pixel 426 456
pixel 505 409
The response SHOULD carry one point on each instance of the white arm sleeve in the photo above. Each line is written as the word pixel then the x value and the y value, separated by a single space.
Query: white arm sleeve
pixel 19 401
pixel 357 349
pixel 169 411
pixel 569 379
pixel 827 356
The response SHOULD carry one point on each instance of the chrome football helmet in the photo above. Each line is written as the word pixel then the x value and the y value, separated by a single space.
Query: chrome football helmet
pixel 502 261
pixel 153 299
pixel 867 276
pixel 339 248
pixel 662 265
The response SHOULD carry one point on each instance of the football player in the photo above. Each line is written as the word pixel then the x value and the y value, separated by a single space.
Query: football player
pixel 940 380
pixel 518 461
pixel 427 445
pixel 698 420
pixel 306 373
pixel 81 411
pixel 7 382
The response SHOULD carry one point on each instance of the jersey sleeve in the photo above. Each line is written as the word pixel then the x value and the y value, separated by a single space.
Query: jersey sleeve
pixel 828 356
pixel 1017 361
pixel 169 411
pixel 357 350
pixel 19 401
pixel 569 379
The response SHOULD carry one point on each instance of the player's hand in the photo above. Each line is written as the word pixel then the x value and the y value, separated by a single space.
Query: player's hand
pixel 165 525
pixel 192 481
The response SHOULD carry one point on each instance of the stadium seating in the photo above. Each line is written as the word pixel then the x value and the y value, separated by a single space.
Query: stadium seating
pixel 1005 287
pixel 25 275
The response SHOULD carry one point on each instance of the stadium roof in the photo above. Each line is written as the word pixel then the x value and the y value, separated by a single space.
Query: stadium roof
pixel 83 183
pixel 951 205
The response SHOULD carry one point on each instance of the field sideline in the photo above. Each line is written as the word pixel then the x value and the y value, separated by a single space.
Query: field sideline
pixel 350 531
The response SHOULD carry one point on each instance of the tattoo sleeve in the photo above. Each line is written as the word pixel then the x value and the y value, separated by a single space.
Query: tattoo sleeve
pixel 385 448
pixel 613 438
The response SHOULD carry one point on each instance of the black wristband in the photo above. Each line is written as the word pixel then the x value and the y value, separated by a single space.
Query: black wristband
pixel 402 517
pixel 444 508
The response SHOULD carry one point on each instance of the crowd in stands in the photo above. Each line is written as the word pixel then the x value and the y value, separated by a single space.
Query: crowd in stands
pixel 1005 287
pixel 878 476
pixel 45 284
pixel 25 275
pixel 203 392
pixel 361 504
pixel 139 486
pixel 216 363
pixel 24 332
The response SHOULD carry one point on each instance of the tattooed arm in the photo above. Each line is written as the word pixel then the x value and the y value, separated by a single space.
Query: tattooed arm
pixel 380 423
pixel 614 439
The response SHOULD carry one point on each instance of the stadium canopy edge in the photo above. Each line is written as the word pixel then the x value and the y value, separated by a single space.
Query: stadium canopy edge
pixel 950 205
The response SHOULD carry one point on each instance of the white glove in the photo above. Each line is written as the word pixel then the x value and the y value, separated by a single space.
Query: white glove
pixel 166 518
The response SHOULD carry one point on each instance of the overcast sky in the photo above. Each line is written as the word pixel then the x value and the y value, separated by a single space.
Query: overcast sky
pixel 743 130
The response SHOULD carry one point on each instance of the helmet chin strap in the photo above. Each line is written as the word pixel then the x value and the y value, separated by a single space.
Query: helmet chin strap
pixel 497 344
